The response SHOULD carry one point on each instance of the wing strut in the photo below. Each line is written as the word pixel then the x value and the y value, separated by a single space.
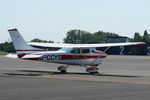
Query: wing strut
pixel 108 49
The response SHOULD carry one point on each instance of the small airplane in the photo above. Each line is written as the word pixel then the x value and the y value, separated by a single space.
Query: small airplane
pixel 70 54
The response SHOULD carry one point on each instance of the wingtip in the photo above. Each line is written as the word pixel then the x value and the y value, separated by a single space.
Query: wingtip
pixel 13 29
pixel 141 43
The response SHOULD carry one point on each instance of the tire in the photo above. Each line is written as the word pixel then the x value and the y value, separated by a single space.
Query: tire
pixel 63 71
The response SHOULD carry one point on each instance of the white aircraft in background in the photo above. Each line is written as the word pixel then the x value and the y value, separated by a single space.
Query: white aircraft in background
pixel 70 54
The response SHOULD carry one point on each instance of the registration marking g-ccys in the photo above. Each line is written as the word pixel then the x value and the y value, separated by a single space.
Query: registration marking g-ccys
pixel 51 57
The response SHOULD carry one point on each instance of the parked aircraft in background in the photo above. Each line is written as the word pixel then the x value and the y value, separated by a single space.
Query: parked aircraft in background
pixel 70 54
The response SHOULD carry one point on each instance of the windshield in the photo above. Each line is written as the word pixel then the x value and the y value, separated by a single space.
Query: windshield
pixel 65 49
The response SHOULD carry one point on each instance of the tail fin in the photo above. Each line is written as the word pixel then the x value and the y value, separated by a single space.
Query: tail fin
pixel 21 47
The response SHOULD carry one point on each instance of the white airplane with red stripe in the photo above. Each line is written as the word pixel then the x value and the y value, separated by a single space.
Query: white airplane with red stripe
pixel 70 54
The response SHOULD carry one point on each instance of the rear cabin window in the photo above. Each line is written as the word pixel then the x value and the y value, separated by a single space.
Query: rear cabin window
pixel 85 50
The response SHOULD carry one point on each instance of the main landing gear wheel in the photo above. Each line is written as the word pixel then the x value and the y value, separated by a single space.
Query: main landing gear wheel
pixel 92 70
pixel 62 69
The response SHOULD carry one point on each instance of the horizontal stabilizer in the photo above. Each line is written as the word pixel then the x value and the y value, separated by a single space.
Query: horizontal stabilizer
pixel 12 55
pixel 31 56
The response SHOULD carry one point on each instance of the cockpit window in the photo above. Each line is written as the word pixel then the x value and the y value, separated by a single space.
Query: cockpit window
pixel 65 49
pixel 85 50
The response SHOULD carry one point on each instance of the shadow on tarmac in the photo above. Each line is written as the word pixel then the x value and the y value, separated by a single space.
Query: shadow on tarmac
pixel 41 73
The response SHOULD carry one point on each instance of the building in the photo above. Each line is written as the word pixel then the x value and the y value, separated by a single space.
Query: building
pixel 117 39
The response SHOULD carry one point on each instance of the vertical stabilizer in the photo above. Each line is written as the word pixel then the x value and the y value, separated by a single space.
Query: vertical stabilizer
pixel 20 44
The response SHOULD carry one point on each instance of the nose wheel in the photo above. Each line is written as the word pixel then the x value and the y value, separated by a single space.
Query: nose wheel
pixel 92 70
pixel 62 69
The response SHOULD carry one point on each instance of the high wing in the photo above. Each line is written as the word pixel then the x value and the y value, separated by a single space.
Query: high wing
pixel 60 45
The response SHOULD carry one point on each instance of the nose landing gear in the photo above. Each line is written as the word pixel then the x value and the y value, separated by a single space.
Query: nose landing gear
pixel 92 70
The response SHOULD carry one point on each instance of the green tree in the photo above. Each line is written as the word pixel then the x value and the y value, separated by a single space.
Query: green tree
pixel 78 36
pixel 146 37
pixel 99 36
pixel 40 40
pixel 137 37
pixel 7 47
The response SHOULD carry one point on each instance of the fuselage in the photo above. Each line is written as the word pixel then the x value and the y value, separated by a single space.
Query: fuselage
pixel 71 56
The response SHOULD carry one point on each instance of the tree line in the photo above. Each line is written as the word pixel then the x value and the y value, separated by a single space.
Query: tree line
pixel 143 38
pixel 80 36
pixel 83 37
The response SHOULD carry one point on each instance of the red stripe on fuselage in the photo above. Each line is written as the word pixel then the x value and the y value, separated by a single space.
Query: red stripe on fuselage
pixel 68 57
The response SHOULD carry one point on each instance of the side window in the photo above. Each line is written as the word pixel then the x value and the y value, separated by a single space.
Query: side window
pixel 85 50
pixel 72 51
pixel 77 51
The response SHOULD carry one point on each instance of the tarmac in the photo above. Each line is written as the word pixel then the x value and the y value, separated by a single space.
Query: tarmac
pixel 119 78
